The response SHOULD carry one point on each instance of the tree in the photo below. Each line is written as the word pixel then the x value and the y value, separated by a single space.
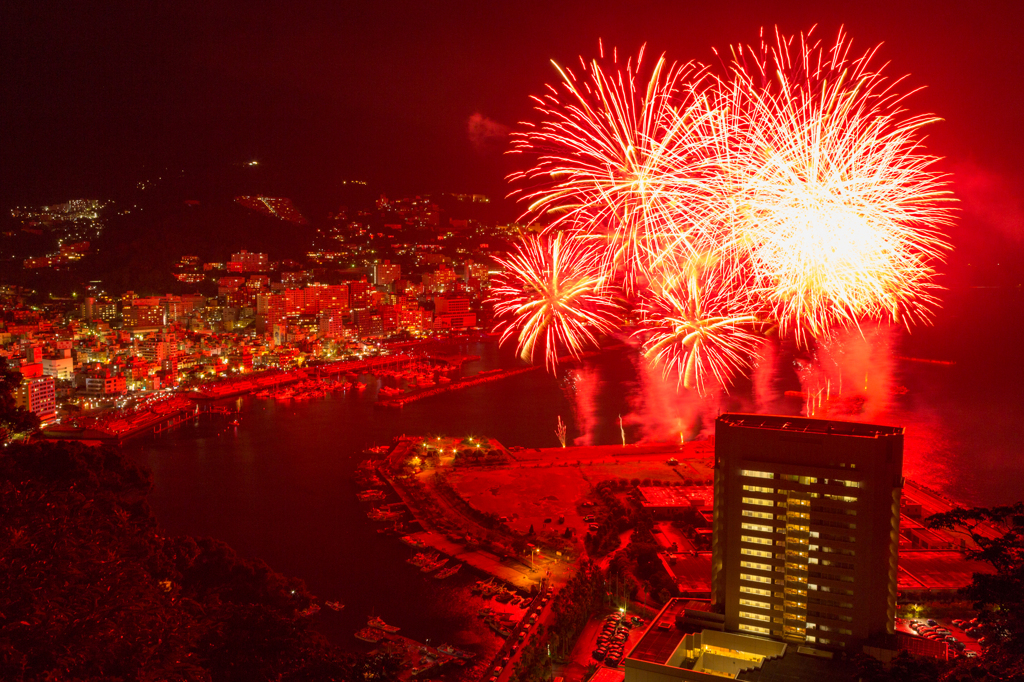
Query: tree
pixel 91 588
pixel 998 533
pixel 14 421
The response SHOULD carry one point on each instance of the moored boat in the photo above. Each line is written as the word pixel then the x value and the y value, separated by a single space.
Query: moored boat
pixel 378 623
pixel 447 572
pixel 434 565
pixel 413 541
pixel 449 650
pixel 371 635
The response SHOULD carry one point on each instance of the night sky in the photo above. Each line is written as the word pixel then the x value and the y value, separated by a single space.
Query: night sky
pixel 95 93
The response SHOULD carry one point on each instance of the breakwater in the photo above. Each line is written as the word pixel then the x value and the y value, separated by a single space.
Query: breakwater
pixel 475 380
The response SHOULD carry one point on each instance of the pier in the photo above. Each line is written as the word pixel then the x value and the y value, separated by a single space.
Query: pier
pixel 117 425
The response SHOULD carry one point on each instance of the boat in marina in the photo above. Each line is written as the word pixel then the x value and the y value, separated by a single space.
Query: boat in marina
pixel 370 495
pixel 378 514
pixel 449 650
pixel 379 624
pixel 309 610
pixel 334 605
pixel 413 541
pixel 424 559
pixel 371 635
pixel 447 572
pixel 502 629
pixel 487 589
pixel 434 565
pixel 503 596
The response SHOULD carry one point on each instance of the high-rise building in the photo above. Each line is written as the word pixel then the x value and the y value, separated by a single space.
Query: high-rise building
pixel 806 528
pixel 146 312
pixel 248 262
pixel 37 392
pixel 384 273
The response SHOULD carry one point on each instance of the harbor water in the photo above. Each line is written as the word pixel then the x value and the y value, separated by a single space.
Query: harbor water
pixel 278 486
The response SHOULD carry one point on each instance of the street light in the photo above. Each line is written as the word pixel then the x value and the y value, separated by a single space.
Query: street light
pixel 532 552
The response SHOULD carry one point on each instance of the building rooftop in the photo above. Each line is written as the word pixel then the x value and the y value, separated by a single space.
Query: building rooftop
pixel 804 425
pixel 796 667
pixel 658 643
pixel 606 674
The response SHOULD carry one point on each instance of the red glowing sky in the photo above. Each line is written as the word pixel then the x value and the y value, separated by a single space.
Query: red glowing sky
pixel 386 90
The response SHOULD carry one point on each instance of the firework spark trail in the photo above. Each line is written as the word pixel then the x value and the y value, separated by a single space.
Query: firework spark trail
pixel 550 295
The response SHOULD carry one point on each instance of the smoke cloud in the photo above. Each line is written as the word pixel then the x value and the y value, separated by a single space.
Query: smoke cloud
pixel 486 134
pixel 850 375
pixel 663 411
pixel 990 199
pixel 584 384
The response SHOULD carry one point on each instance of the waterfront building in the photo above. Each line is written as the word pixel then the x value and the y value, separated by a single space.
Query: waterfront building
pixel 37 392
pixel 806 528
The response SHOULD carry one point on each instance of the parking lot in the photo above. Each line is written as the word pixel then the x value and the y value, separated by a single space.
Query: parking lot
pixel 607 631
pixel 919 627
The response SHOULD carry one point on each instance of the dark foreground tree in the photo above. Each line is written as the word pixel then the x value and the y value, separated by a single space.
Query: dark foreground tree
pixel 14 421
pixel 998 533
pixel 92 589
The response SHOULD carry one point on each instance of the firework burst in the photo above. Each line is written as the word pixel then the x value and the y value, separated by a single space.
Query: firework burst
pixel 791 190
pixel 550 295
pixel 613 162
pixel 835 202
pixel 700 324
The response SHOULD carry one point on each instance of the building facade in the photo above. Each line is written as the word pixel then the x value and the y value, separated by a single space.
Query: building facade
pixel 37 393
pixel 806 528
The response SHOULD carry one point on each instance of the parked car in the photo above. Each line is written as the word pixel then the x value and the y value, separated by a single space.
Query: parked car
pixel 932 622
